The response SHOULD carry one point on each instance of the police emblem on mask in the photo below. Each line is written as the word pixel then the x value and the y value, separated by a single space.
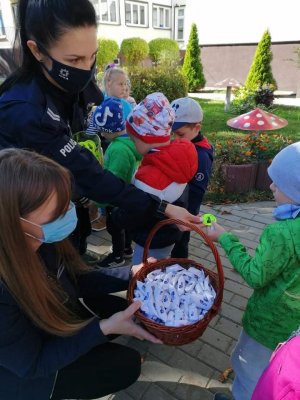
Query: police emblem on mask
pixel 64 73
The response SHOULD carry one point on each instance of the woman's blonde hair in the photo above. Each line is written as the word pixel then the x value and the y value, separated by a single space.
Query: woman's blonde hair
pixel 27 181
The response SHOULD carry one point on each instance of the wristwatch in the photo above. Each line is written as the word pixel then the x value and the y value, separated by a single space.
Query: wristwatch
pixel 161 209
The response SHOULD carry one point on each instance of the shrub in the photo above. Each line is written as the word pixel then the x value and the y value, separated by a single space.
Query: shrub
pixel 247 99
pixel 170 82
pixel 192 67
pixel 164 51
pixel 134 50
pixel 108 50
pixel 260 73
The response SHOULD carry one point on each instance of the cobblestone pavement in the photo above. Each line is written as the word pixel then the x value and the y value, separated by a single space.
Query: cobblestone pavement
pixel 191 372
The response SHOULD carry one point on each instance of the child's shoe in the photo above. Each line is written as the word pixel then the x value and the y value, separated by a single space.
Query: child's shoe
pixel 128 253
pixel 221 396
pixel 111 261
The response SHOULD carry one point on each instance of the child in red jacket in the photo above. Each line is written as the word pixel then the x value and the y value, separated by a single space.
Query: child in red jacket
pixel 165 170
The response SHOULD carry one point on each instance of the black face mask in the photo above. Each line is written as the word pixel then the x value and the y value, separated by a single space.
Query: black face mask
pixel 72 80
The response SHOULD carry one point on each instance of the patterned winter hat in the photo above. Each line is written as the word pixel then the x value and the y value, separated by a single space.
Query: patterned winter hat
pixel 152 119
pixel 108 117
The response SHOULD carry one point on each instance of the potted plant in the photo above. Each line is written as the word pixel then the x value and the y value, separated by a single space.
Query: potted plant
pixel 237 165
pixel 263 148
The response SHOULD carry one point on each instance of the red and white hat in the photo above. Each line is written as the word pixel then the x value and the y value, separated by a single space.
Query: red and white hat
pixel 152 119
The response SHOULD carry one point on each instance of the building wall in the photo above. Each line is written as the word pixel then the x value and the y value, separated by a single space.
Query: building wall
pixel 234 61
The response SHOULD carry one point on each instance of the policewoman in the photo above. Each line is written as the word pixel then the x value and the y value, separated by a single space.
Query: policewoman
pixel 43 103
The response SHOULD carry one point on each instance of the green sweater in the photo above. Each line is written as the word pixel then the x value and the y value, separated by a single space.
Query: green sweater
pixel 122 159
pixel 273 310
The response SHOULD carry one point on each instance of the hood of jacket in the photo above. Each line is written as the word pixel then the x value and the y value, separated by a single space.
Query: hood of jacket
pixel 176 162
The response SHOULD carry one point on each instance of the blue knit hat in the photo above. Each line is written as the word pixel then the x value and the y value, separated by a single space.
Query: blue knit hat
pixel 108 117
pixel 284 171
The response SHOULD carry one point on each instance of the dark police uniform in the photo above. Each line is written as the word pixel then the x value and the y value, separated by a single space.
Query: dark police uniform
pixel 36 115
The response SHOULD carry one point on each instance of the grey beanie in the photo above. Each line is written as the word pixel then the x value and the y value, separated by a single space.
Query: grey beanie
pixel 285 171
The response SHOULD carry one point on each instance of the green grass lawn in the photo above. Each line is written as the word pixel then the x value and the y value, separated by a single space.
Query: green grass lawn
pixel 215 128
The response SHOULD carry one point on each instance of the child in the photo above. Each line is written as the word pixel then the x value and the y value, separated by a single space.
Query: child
pixel 188 121
pixel 281 379
pixel 121 158
pixel 273 310
pixel 165 169
pixel 115 84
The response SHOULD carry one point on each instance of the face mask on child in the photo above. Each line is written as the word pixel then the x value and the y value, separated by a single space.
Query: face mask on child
pixel 59 229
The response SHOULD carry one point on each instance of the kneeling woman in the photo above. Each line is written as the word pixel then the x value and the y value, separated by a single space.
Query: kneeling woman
pixel 53 346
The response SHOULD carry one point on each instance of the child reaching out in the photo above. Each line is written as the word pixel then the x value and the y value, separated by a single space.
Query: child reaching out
pixel 165 169
pixel 273 310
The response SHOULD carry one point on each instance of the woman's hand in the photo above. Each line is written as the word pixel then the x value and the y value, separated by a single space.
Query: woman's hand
pixel 214 231
pixel 181 213
pixel 122 323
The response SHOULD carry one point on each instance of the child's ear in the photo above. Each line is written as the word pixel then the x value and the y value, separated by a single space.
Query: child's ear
pixel 198 126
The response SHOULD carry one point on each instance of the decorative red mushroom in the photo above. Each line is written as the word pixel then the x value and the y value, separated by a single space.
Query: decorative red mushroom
pixel 228 83
pixel 257 120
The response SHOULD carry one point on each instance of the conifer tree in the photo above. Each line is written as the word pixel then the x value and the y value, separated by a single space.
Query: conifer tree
pixel 260 73
pixel 192 68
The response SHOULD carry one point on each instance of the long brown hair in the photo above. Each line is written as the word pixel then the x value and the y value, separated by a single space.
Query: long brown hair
pixel 27 181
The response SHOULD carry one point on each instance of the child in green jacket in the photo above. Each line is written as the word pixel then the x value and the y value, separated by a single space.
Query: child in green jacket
pixel 273 310
pixel 122 159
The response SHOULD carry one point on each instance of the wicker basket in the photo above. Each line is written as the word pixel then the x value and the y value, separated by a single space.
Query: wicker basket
pixel 185 334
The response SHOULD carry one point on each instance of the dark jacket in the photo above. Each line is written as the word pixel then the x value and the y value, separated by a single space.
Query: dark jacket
pixel 30 357
pixel 38 116
pixel 198 185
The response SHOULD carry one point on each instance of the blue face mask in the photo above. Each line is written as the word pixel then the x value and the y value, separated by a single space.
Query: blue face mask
pixel 59 229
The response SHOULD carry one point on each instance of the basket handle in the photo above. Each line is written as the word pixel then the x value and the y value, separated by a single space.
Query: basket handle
pixel 194 228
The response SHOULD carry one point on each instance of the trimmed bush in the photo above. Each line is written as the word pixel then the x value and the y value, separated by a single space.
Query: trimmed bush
pixel 192 68
pixel 260 73
pixel 164 51
pixel 134 50
pixel 169 81
pixel 108 50
pixel 247 99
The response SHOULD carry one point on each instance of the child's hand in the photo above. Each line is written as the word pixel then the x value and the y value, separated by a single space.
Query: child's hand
pixel 136 268
pixel 214 231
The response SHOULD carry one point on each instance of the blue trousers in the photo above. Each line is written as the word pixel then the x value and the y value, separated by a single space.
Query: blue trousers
pixel 248 360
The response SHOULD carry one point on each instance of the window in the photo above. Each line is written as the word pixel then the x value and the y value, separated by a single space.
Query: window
pixel 179 23
pixel 2 29
pixel 161 17
pixel 136 13
pixel 107 10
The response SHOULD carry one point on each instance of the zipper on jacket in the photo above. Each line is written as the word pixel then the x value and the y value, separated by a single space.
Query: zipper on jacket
pixel 53 387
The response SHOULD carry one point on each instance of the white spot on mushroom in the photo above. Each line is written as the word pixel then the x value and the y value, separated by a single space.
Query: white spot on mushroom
pixel 246 117
pixel 247 124
pixel 258 115
pixel 274 123
pixel 272 118
pixel 260 122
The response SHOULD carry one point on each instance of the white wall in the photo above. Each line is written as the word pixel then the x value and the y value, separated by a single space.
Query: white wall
pixel 241 21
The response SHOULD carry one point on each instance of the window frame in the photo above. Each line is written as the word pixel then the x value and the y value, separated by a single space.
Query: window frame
pixel 2 25
pixel 139 4
pixel 98 10
pixel 165 9
pixel 177 18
